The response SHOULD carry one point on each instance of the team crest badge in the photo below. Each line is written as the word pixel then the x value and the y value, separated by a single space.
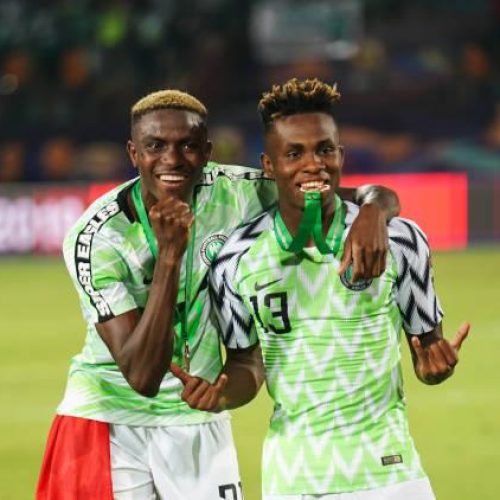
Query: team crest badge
pixel 211 247
pixel 361 284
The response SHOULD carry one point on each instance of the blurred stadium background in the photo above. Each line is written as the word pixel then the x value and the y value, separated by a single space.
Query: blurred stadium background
pixel 420 112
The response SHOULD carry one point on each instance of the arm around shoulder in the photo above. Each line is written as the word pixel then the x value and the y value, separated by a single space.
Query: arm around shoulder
pixel 367 244
pixel 386 200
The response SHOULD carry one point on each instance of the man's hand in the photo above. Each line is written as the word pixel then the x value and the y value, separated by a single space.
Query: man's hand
pixel 366 244
pixel 436 361
pixel 200 394
pixel 171 220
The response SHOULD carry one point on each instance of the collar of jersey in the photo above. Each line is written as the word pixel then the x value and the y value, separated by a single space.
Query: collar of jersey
pixel 311 227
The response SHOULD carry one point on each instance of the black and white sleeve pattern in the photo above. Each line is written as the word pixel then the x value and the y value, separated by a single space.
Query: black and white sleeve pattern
pixel 235 321
pixel 415 292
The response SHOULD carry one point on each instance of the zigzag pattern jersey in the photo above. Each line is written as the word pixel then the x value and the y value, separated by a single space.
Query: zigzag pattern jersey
pixel 331 352
pixel 111 265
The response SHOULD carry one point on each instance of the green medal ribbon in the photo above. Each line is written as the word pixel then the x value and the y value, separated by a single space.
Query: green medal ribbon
pixel 311 227
pixel 153 246
pixel 143 218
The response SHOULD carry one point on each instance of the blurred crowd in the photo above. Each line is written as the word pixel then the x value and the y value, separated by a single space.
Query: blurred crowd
pixel 420 79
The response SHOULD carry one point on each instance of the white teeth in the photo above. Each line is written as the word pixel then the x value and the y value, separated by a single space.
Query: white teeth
pixel 171 178
pixel 314 186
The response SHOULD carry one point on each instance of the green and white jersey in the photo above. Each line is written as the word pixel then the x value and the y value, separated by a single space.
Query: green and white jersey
pixel 111 265
pixel 331 353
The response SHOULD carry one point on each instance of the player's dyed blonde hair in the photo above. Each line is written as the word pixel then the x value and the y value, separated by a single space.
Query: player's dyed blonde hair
pixel 297 96
pixel 167 99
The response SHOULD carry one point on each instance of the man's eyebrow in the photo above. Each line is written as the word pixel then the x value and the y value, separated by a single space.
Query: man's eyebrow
pixel 151 137
pixel 294 145
pixel 159 137
pixel 328 140
pixel 321 142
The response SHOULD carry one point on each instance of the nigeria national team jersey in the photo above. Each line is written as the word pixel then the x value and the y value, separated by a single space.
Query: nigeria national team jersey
pixel 110 262
pixel 331 352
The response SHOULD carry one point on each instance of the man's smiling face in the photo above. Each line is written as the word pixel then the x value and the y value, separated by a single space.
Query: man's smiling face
pixel 303 154
pixel 169 147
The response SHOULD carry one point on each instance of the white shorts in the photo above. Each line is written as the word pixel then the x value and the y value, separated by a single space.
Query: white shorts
pixel 190 462
pixel 416 489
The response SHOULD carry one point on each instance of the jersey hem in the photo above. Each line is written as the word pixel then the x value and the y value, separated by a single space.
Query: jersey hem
pixel 367 487
pixel 151 421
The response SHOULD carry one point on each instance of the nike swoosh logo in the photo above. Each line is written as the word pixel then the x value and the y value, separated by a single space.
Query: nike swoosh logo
pixel 265 285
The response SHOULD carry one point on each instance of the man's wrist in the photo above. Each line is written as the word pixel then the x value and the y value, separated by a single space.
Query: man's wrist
pixel 385 199
pixel 375 207
pixel 367 194
pixel 170 256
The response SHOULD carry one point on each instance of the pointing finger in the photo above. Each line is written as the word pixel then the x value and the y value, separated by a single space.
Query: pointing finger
pixel 178 372
pixel 461 335
pixel 358 265
pixel 369 264
pixel 379 266
pixel 346 258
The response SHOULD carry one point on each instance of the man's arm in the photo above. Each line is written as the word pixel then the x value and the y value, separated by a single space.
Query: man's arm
pixel 237 384
pixel 243 372
pixel 434 357
pixel 384 198
pixel 366 244
pixel 142 344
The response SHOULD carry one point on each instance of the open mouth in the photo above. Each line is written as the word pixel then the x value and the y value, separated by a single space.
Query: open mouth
pixel 320 186
pixel 172 179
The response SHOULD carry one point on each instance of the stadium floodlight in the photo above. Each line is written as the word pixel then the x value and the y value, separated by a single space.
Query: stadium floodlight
pixel 285 31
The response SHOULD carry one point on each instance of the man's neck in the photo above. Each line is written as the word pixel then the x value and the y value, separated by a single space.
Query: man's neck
pixel 292 217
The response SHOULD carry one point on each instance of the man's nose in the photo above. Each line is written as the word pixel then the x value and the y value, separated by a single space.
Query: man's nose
pixel 171 156
pixel 313 163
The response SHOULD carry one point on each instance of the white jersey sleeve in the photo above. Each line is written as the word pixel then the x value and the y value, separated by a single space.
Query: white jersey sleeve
pixel 99 272
pixel 415 293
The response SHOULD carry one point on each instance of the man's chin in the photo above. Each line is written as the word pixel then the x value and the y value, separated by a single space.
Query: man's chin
pixel 182 192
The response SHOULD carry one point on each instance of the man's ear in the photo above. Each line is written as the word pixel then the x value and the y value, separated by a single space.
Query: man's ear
pixel 341 153
pixel 267 165
pixel 208 150
pixel 132 152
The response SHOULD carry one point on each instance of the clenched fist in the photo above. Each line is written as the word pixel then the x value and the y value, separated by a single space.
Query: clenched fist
pixel 171 220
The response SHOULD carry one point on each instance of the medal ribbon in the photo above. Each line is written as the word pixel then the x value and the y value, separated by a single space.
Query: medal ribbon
pixel 179 317
pixel 311 227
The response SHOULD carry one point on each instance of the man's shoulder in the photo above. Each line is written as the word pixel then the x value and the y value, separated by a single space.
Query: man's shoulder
pixel 215 173
pixel 240 240
pixel 101 215
pixel 407 241
pixel 252 229
pixel 400 229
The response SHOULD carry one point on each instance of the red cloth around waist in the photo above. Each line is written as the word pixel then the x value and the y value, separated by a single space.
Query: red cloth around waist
pixel 76 464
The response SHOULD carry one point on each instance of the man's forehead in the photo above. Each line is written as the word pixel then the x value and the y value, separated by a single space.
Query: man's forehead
pixel 171 121
pixel 304 126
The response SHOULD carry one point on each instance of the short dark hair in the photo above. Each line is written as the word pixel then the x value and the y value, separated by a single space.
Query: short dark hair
pixel 297 96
